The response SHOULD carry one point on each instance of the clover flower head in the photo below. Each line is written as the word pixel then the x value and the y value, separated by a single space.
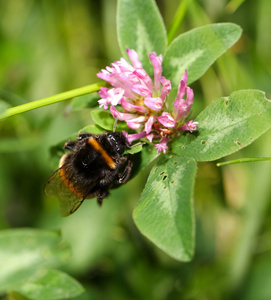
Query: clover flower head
pixel 143 100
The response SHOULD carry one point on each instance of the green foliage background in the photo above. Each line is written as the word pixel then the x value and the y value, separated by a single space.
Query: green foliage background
pixel 47 47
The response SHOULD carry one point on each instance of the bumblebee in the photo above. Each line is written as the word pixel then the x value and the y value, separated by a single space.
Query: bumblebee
pixel 95 162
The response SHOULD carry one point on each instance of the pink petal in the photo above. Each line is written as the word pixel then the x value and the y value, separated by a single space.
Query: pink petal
pixel 185 77
pixel 156 61
pixel 150 137
pixel 162 147
pixel 190 125
pixel 131 107
pixel 181 91
pixel 124 81
pixel 103 92
pixel 104 75
pixel 189 96
pixel 133 56
pixel 182 86
pixel 166 87
pixel 141 90
pixel 136 123
pixel 143 75
pixel 103 103
pixel 181 109
pixel 120 116
pixel 182 106
pixel 167 120
pixel 154 103
pixel 116 95
pixel 132 137
pixel 149 123
pixel 133 77
pixel 121 65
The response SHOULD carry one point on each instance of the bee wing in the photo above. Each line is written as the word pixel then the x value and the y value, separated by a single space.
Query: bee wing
pixel 68 201
pixel 69 204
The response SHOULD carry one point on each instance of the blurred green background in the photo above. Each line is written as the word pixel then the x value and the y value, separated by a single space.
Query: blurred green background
pixel 47 47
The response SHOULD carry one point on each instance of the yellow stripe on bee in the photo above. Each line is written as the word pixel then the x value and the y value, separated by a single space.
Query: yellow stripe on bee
pixel 110 162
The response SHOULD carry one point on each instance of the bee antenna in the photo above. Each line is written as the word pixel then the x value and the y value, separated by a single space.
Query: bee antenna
pixel 115 125
pixel 135 145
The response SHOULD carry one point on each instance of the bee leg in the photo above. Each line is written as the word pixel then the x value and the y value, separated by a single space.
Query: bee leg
pixel 82 136
pixel 125 175
pixel 101 194
pixel 99 201
pixel 70 145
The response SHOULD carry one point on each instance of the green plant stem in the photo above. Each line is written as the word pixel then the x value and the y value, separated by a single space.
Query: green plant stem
pixel 177 20
pixel 52 99
pixel 242 160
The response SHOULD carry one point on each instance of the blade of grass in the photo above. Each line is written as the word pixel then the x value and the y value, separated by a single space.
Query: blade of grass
pixel 253 216
pixel 233 5
pixel 242 160
pixel 177 20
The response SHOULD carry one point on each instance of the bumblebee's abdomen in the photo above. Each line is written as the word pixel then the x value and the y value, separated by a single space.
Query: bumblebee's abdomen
pixel 66 175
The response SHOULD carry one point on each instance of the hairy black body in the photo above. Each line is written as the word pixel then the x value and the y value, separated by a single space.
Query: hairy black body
pixel 93 165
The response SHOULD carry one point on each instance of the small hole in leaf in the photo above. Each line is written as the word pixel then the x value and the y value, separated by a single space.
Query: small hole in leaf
pixel 155 169
pixel 172 181
pixel 165 177
pixel 227 102
pixel 165 187
pixel 251 138
pixel 183 147
pixel 238 143
pixel 162 173
pixel 203 142
pixel 175 163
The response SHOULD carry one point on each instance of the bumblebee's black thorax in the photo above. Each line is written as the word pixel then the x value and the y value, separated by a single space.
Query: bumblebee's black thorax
pixel 93 154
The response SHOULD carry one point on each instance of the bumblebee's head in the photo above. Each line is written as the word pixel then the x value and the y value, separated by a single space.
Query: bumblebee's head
pixel 118 141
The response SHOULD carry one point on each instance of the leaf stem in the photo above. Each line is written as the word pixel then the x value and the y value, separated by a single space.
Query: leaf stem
pixel 242 160
pixel 177 20
pixel 51 100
